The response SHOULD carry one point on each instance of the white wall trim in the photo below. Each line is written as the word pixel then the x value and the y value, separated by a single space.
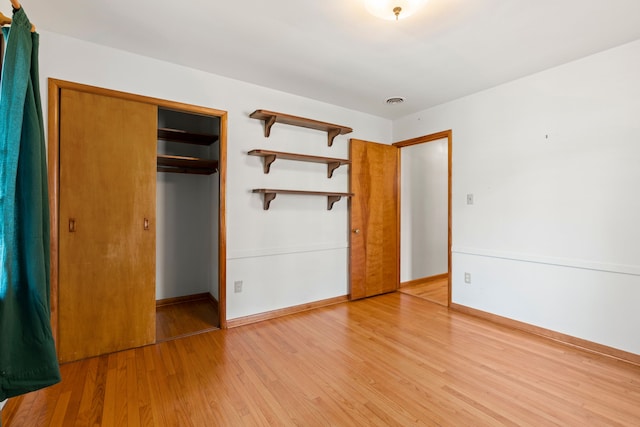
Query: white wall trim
pixel 633 270
pixel 264 252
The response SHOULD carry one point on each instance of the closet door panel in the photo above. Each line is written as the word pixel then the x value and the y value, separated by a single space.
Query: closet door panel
pixel 107 224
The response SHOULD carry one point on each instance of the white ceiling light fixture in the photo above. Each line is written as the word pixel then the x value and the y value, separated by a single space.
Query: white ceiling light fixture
pixel 393 9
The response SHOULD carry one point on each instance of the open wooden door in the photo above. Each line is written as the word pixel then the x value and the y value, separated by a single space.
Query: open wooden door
pixel 374 243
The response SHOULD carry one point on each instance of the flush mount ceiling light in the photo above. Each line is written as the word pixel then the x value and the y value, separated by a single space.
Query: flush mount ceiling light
pixel 393 9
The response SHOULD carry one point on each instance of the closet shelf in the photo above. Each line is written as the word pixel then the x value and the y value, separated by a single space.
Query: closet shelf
pixel 270 194
pixel 182 164
pixel 177 135
pixel 270 156
pixel 271 117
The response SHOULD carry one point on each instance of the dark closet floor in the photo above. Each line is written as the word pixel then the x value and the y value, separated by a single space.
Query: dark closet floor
pixel 185 318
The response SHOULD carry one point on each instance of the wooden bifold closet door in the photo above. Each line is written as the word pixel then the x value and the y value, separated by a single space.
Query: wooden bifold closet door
pixel 107 155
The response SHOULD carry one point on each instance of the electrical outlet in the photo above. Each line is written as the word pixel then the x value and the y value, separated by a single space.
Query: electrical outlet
pixel 237 286
pixel 469 199
pixel 467 277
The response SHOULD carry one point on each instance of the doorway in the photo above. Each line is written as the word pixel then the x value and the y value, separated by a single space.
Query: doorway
pixel 425 222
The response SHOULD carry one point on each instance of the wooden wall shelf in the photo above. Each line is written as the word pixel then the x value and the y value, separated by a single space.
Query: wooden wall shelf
pixel 271 117
pixel 182 164
pixel 177 135
pixel 270 194
pixel 270 156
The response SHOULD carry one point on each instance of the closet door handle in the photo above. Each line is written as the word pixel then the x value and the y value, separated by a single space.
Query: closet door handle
pixel 72 225
pixel 146 224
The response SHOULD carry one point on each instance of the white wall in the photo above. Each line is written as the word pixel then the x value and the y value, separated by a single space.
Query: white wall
pixel 298 246
pixel 551 239
pixel 184 246
pixel 424 235
pixel 553 162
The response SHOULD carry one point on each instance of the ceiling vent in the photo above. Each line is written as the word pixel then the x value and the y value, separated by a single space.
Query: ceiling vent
pixel 394 100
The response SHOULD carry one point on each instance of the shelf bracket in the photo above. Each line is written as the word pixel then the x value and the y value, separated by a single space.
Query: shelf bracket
pixel 331 167
pixel 268 123
pixel 331 134
pixel 268 197
pixel 331 200
pixel 267 162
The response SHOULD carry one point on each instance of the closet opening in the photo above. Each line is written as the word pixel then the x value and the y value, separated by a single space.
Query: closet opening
pixel 187 210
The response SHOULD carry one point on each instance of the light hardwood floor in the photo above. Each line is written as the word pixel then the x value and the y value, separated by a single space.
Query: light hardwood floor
pixel 435 291
pixel 185 318
pixel 392 360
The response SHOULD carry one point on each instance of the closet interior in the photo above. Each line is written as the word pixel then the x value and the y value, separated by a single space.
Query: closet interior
pixel 187 200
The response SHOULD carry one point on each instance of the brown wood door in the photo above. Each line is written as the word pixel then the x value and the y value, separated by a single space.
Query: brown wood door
pixel 374 243
pixel 107 224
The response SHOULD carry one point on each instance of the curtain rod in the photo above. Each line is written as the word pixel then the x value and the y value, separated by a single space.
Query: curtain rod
pixel 5 20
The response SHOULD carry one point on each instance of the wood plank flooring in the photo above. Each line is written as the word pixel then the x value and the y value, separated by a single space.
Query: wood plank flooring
pixel 185 318
pixel 435 291
pixel 391 360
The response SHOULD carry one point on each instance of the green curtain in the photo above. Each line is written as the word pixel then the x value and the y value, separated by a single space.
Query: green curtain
pixel 27 353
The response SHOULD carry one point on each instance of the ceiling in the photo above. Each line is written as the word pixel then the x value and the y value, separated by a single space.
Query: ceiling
pixel 334 51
